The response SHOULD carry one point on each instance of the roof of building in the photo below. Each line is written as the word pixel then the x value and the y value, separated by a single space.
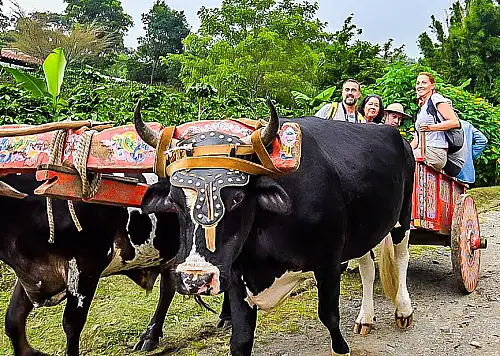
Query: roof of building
pixel 16 55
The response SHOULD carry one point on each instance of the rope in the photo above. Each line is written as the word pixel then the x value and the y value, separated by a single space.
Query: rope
pixel 56 149
pixel 56 144
pixel 50 217
pixel 89 188
pixel 74 217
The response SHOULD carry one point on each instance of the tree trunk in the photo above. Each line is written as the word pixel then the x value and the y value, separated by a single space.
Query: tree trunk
pixel 153 72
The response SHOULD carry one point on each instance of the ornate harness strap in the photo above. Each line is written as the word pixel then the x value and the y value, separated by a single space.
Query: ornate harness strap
pixel 170 160
pixel 184 155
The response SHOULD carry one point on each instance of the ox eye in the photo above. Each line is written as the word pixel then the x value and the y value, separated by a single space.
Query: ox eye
pixel 237 200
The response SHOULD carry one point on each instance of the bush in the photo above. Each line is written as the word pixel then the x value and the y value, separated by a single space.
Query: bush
pixel 91 95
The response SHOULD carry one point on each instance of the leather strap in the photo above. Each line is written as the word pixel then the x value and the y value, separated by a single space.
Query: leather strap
pixel 228 150
pixel 255 124
pixel 218 162
pixel 210 237
pixel 166 136
pixel 215 156
pixel 262 153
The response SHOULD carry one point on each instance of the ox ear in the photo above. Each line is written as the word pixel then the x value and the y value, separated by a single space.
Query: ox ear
pixel 271 196
pixel 156 198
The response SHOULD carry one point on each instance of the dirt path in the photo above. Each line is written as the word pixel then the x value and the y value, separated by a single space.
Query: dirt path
pixel 446 321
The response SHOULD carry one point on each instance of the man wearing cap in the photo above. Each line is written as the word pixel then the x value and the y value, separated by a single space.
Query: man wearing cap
pixel 394 115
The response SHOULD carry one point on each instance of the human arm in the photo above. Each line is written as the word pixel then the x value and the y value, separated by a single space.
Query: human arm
pixel 450 118
pixel 479 142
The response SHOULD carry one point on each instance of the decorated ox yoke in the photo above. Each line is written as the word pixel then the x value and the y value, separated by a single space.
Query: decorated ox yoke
pixel 69 161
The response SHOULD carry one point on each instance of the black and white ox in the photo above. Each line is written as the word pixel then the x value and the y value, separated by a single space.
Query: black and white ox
pixel 352 189
pixel 114 240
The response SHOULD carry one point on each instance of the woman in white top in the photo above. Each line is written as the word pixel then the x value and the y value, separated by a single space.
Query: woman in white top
pixel 436 146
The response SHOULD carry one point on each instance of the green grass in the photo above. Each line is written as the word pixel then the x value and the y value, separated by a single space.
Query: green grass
pixel 487 198
pixel 121 311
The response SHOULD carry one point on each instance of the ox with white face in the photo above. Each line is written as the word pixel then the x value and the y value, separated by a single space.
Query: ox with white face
pixel 201 269
pixel 209 202
pixel 336 206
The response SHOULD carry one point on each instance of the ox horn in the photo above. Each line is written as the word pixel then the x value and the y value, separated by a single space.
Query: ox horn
pixel 8 191
pixel 268 134
pixel 149 136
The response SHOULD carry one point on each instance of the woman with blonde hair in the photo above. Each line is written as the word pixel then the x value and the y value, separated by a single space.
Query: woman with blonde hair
pixel 436 146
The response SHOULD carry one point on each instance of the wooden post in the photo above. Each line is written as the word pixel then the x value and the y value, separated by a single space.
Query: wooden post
pixel 421 146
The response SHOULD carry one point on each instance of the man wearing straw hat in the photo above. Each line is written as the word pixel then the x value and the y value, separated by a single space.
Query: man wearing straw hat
pixel 394 115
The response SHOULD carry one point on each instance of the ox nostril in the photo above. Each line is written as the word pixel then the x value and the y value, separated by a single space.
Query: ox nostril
pixel 196 282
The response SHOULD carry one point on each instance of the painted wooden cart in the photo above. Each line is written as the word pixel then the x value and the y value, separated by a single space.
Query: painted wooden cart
pixel 442 211
pixel 444 214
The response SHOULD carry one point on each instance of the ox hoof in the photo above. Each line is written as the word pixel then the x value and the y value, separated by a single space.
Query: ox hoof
pixel 362 329
pixel 146 345
pixel 224 324
pixel 404 322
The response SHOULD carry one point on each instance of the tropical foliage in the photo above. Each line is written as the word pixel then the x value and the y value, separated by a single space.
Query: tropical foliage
pixel 37 36
pixel 243 52
pixel 468 46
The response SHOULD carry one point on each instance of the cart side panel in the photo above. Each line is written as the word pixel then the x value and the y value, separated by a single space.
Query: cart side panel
pixel 445 198
pixel 431 200
pixel 426 198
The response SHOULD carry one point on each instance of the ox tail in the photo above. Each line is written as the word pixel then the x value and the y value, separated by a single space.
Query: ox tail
pixel 388 268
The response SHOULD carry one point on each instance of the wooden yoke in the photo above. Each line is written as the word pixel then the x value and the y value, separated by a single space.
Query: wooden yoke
pixel 116 150
pixel 112 150
pixel 54 155
pixel 65 183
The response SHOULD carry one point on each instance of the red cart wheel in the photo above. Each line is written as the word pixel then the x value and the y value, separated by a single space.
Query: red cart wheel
pixel 464 230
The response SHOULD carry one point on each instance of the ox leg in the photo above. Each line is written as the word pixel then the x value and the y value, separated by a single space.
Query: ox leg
pixel 328 307
pixel 366 317
pixel 244 320
pixel 15 322
pixel 76 311
pixel 150 339
pixel 225 314
pixel 404 310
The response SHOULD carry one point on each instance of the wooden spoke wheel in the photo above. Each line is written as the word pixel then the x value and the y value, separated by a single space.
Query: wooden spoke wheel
pixel 465 229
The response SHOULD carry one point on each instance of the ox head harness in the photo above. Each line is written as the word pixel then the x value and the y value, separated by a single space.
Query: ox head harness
pixel 209 161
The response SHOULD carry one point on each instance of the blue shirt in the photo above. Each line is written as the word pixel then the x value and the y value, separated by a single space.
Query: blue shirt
pixel 476 142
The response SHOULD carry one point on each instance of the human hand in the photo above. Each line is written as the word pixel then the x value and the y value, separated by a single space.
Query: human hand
pixel 427 127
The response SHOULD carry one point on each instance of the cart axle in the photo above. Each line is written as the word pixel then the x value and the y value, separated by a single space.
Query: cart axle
pixel 483 243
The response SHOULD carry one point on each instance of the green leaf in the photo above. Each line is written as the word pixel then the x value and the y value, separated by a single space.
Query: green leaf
pixel 465 84
pixel 29 82
pixel 53 67
pixel 300 97
pixel 326 95
pixel 321 98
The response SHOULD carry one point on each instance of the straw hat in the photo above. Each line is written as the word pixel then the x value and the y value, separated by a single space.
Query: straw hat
pixel 396 107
